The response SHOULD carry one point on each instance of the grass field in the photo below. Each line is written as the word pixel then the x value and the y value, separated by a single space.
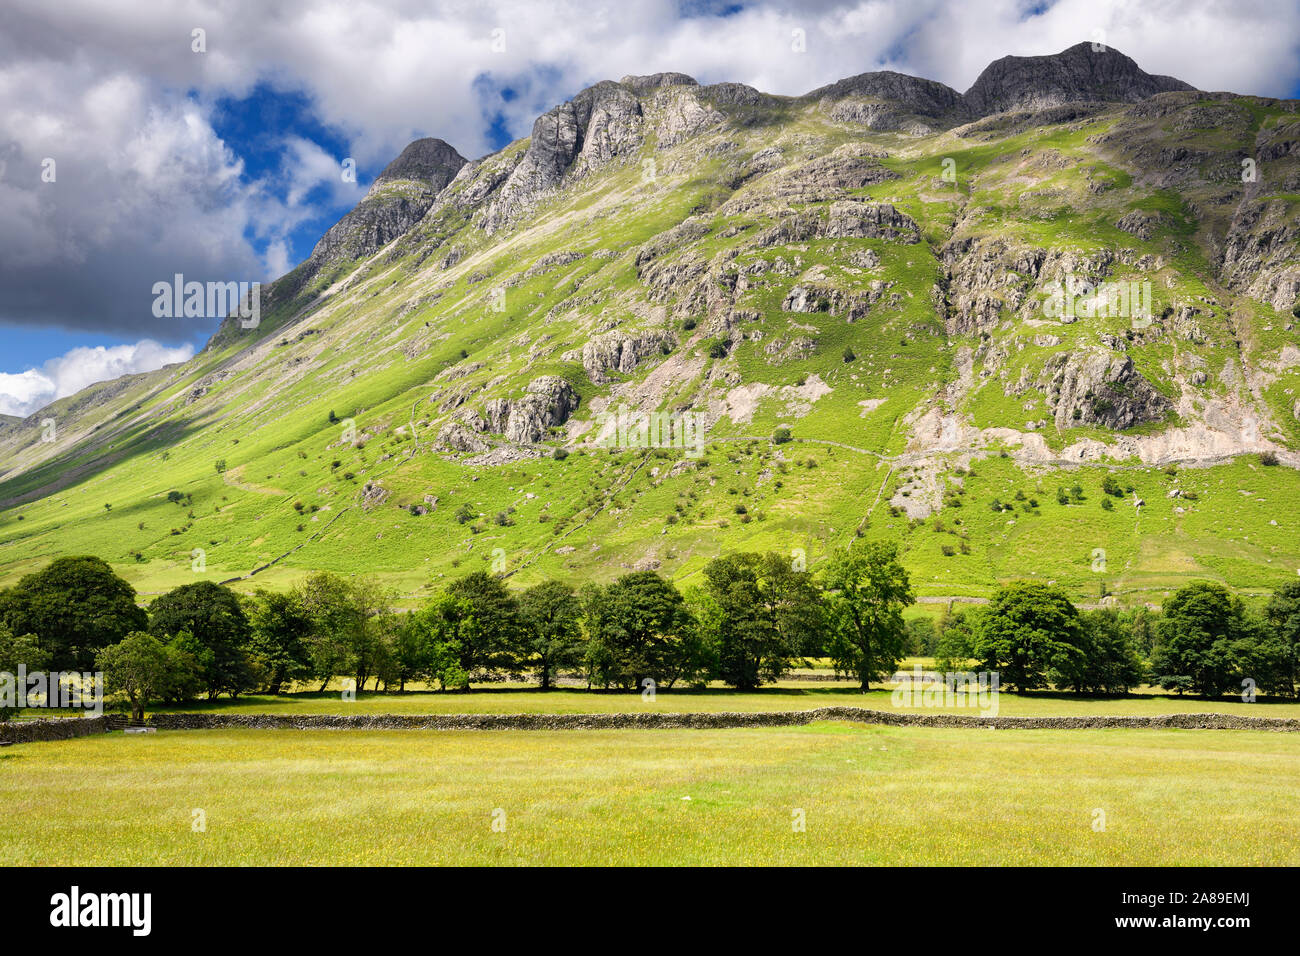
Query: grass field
pixel 870 795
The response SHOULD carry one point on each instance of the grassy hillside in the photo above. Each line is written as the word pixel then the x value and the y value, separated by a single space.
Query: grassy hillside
pixel 759 267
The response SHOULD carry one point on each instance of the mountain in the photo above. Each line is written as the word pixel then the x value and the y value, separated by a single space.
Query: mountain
pixel 1079 74
pixel 937 298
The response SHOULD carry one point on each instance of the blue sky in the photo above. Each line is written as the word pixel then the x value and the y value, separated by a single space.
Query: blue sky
pixel 222 162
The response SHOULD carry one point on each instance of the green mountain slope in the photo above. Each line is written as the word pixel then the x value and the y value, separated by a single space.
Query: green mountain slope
pixel 889 269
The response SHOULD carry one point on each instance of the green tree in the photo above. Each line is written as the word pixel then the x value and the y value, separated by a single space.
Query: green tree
pixel 1204 635
pixel 1283 616
pixel 763 614
pixel 369 646
pixel 279 631
pixel 498 641
pixel 214 616
pixel 443 636
pixel 74 606
pixel 336 620
pixel 1110 662
pixel 954 645
pixel 922 637
pixel 411 659
pixel 138 666
pixel 18 651
pixel 869 589
pixel 639 628
pixel 552 614
pixel 1028 631
pixel 352 627
pixel 191 663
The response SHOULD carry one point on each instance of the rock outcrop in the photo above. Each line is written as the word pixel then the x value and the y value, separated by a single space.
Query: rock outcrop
pixel 398 199
pixel 888 101
pixel 1073 75
pixel 1099 388
pixel 620 351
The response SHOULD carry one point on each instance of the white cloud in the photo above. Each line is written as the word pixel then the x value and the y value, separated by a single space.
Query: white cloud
pixel 69 373
pixel 146 188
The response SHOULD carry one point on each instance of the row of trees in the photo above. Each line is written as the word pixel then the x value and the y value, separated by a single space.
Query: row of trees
pixel 1204 640
pixel 750 620
pixel 753 617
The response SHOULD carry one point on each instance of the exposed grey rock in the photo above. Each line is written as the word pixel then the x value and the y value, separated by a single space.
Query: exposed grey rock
pixel 456 436
pixel 1075 74
pixel 922 96
pixel 1259 256
pixel 844 220
pixel 1140 223
pixel 600 123
pixel 736 94
pixel 620 351
pixel 681 116
pixel 854 166
pixel 643 84
pixel 1099 388
pixel 397 200
pixel 373 494
pixel 549 401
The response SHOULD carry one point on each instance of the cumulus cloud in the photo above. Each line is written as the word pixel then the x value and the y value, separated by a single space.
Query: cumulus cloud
pixel 145 188
pixel 29 391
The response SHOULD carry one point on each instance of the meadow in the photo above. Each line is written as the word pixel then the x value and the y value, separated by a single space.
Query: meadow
pixel 867 795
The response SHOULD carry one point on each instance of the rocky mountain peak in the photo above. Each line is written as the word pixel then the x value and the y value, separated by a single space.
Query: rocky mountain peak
pixel 427 160
pixel 1076 74
pixel 926 97
pixel 655 80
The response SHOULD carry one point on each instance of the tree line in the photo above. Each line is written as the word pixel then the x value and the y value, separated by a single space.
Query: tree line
pixel 752 618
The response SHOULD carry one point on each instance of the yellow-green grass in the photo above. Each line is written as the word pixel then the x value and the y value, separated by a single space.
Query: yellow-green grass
pixel 869 795
pixel 793 695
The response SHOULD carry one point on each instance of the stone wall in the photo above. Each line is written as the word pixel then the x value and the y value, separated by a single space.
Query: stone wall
pixel 51 728
pixel 703 721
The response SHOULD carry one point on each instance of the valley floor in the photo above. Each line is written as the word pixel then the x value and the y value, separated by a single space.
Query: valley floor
pixel 866 795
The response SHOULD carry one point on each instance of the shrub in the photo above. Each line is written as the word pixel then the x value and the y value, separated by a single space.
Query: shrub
pixel 1268 458
pixel 781 436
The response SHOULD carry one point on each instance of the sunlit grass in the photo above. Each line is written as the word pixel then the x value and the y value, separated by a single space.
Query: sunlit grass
pixel 868 795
